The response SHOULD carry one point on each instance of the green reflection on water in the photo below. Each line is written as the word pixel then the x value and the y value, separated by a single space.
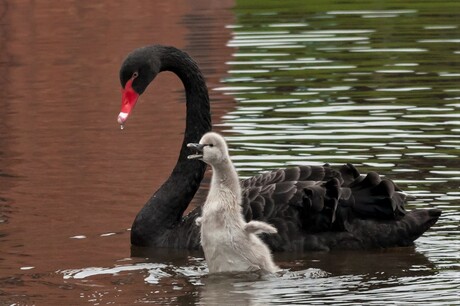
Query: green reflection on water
pixel 371 83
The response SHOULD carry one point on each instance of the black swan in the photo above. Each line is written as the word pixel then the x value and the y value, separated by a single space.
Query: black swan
pixel 230 244
pixel 312 207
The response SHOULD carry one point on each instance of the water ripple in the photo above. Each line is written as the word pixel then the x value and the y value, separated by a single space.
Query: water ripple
pixel 346 87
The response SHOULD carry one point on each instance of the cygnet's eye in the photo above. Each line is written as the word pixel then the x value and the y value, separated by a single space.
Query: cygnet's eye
pixel 211 145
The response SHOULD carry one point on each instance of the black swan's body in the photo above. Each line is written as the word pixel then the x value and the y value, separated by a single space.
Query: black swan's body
pixel 312 207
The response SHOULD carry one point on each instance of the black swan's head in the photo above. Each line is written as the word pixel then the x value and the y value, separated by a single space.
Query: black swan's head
pixel 212 149
pixel 137 71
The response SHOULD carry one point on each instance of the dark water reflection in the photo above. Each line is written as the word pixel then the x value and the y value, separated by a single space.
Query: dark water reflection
pixel 374 84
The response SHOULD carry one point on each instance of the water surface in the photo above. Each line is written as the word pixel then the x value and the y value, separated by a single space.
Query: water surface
pixel 291 82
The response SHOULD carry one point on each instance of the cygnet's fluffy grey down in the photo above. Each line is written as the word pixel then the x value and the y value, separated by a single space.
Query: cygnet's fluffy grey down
pixel 230 244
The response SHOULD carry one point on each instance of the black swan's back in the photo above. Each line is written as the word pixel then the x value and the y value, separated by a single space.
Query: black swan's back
pixel 319 208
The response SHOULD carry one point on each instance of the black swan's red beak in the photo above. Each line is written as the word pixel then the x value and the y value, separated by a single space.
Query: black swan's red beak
pixel 128 100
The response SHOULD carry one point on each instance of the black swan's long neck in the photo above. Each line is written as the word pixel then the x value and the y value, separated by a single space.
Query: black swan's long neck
pixel 165 208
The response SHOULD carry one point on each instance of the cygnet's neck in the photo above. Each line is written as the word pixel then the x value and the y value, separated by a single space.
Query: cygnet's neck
pixel 224 175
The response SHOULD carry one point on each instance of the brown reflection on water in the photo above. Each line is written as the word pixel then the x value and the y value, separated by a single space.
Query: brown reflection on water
pixel 65 167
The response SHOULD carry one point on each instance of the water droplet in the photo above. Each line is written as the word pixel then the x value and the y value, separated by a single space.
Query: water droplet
pixel 122 126
pixel 78 237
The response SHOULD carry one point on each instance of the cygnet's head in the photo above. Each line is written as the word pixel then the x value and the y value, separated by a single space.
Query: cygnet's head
pixel 212 149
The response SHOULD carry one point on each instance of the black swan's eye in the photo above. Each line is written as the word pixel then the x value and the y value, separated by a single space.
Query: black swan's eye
pixel 135 75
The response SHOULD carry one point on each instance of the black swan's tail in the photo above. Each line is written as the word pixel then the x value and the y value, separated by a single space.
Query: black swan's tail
pixel 362 212
pixel 390 233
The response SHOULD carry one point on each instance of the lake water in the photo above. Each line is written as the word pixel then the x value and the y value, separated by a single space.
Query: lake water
pixel 291 82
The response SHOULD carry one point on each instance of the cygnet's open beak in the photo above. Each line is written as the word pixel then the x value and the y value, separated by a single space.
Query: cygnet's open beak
pixel 199 148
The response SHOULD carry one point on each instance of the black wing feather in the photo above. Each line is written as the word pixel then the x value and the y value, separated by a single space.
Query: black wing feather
pixel 310 205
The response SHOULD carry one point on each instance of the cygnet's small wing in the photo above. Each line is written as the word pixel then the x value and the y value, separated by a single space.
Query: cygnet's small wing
pixel 258 227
